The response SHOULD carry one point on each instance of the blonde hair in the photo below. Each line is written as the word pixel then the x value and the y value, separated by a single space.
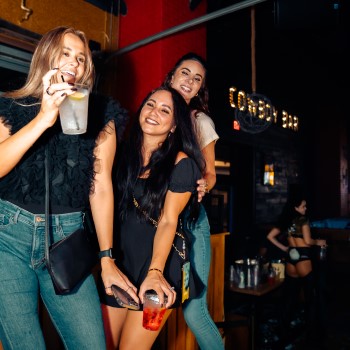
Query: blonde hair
pixel 46 56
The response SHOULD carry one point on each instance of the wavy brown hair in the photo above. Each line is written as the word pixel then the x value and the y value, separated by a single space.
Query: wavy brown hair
pixel 46 57
pixel 200 101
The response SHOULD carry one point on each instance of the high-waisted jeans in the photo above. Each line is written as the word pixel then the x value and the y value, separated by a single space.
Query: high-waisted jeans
pixel 196 311
pixel 23 276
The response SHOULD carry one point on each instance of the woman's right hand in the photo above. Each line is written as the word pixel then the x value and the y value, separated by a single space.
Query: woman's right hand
pixel 112 275
pixel 53 96
pixel 157 282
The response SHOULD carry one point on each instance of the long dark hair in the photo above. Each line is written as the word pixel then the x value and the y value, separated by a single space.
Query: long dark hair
pixel 199 102
pixel 289 213
pixel 162 161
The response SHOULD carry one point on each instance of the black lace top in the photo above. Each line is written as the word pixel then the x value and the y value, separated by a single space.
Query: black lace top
pixel 71 156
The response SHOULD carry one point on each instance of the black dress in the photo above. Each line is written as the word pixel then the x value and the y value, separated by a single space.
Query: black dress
pixel 134 239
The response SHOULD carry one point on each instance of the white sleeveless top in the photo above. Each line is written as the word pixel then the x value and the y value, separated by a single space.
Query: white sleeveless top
pixel 205 129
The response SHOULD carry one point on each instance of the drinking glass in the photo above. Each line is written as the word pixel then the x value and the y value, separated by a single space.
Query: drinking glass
pixel 74 111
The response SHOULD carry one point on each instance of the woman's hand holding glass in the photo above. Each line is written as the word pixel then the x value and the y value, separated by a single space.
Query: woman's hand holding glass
pixel 157 282
pixel 53 96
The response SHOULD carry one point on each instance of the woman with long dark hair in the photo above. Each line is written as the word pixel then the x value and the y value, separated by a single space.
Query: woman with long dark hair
pixel 156 180
pixel 295 223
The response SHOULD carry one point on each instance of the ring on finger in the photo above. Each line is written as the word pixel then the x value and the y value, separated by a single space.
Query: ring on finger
pixel 48 91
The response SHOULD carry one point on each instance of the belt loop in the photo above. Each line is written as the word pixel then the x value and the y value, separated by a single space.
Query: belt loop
pixel 15 219
pixel 57 220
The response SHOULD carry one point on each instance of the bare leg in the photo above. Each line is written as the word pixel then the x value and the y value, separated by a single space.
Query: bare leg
pixel 291 291
pixel 134 336
pixel 303 268
pixel 113 320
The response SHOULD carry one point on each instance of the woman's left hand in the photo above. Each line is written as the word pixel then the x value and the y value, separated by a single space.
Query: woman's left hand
pixel 156 281
pixel 202 188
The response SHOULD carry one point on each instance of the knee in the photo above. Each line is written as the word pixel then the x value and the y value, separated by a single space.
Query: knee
pixel 192 313
pixel 196 311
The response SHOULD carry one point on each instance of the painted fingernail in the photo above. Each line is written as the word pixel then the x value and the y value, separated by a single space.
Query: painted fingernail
pixel 62 78
pixel 71 84
pixel 54 68
pixel 64 94
pixel 74 89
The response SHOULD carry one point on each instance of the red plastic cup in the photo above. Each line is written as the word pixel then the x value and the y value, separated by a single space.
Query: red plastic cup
pixel 153 311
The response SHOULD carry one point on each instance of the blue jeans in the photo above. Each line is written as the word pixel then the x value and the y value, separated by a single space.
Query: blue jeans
pixel 196 311
pixel 23 276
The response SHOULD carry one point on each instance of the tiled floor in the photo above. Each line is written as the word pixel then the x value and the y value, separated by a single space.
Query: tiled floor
pixel 335 335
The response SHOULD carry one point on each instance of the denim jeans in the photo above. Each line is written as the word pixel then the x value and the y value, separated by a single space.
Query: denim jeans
pixel 196 311
pixel 23 276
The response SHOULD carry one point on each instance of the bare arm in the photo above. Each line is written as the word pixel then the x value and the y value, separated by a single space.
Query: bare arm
pixel 209 177
pixel 209 156
pixel 13 147
pixel 308 239
pixel 163 240
pixel 272 237
pixel 102 208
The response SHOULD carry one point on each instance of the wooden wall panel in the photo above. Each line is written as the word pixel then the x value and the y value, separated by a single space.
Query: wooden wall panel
pixel 98 25
pixel 176 335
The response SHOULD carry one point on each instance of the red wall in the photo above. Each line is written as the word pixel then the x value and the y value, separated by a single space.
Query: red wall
pixel 144 68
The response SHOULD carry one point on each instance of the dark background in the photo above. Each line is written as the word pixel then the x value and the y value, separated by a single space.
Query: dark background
pixel 302 66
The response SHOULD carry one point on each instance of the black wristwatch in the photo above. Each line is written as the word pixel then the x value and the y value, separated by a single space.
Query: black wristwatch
pixel 105 253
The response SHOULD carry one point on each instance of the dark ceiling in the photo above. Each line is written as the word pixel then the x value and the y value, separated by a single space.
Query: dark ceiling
pixel 302 56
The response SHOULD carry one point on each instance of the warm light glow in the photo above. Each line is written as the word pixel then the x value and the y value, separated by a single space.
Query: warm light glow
pixel 252 106
pixel 284 119
pixel 222 164
pixel 236 125
pixel 232 90
pixel 242 101
pixel 269 175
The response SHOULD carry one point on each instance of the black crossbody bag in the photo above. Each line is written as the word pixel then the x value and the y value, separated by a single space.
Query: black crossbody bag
pixel 70 260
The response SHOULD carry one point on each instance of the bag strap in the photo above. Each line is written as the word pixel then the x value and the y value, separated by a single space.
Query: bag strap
pixel 47 203
pixel 182 254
